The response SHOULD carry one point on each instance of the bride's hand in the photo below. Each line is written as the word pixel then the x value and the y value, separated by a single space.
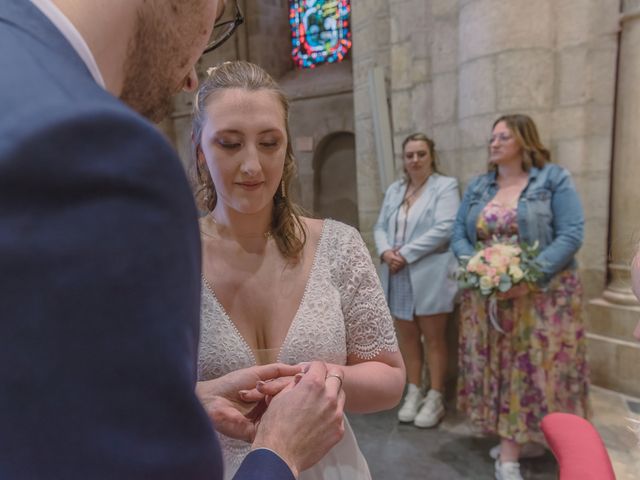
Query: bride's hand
pixel 222 398
pixel 269 388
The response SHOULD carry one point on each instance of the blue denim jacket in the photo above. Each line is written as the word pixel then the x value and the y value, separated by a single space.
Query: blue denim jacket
pixel 549 211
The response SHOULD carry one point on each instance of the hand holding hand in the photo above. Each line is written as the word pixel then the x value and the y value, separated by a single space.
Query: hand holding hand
pixel 232 401
pixel 395 261
pixel 305 420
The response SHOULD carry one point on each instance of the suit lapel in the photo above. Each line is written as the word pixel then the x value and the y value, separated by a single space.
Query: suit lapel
pixel 422 204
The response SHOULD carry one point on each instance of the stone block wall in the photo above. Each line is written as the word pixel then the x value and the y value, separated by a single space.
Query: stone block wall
pixel 321 105
pixel 455 66
pixel 371 30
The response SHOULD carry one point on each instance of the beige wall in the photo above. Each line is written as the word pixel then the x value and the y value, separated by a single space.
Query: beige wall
pixel 371 35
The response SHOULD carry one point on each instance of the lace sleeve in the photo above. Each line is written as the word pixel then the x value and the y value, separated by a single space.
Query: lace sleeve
pixel 368 323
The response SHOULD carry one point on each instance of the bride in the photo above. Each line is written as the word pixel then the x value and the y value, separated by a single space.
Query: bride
pixel 279 286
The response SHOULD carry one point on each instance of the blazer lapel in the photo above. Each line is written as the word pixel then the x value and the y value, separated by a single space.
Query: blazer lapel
pixel 421 205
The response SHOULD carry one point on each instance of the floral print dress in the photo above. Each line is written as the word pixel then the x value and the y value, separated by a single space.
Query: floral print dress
pixel 509 381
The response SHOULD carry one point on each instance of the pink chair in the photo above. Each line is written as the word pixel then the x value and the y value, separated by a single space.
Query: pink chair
pixel 578 448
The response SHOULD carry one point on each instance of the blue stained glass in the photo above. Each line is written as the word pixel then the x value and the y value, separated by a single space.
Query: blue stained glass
pixel 320 31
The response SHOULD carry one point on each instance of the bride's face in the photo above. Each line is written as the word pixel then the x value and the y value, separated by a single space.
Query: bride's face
pixel 635 285
pixel 244 144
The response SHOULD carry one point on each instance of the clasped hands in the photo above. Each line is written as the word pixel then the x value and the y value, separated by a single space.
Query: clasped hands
pixel 395 261
pixel 295 410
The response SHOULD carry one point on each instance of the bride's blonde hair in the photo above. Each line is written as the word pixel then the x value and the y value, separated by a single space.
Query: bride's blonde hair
pixel 287 228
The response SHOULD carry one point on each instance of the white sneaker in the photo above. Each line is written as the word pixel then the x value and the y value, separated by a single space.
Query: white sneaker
pixel 412 402
pixel 431 412
pixel 528 450
pixel 508 471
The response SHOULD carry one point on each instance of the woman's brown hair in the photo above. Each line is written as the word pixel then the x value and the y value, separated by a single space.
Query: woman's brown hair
pixel 523 128
pixel 287 228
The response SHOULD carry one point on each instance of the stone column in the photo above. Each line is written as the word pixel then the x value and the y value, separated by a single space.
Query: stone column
pixel 614 357
pixel 505 64
pixel 624 231
pixel 370 22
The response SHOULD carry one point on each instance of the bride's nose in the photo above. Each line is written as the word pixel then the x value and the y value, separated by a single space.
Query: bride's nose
pixel 250 162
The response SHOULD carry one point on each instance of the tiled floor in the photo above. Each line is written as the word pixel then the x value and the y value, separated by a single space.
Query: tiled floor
pixel 453 451
pixel 611 417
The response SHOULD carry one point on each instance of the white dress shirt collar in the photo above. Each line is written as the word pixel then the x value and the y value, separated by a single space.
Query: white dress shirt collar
pixel 72 35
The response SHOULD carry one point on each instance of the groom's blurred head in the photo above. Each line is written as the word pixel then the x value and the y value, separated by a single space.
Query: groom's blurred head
pixel 169 37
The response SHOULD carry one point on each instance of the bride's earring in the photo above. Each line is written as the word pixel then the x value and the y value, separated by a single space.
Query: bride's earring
pixel 283 192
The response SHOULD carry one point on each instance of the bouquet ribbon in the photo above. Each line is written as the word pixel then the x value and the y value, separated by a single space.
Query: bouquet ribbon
pixel 493 313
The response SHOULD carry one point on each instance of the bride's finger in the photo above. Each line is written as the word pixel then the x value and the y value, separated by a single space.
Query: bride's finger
pixel 275 386
pixel 251 396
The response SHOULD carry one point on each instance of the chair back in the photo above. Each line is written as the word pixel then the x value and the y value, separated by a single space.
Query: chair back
pixel 578 448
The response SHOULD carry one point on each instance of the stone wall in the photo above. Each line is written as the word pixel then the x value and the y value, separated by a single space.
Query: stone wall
pixel 321 105
pixel 614 357
pixel 370 20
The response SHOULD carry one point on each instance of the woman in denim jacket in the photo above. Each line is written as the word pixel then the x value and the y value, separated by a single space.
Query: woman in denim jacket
pixel 534 364
pixel 412 237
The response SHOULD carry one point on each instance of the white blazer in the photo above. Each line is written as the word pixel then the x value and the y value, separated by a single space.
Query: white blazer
pixel 431 264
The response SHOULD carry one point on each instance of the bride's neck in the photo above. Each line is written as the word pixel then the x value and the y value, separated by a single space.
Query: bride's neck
pixel 231 223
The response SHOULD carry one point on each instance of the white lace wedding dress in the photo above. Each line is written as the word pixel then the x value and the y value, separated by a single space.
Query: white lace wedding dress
pixel 342 312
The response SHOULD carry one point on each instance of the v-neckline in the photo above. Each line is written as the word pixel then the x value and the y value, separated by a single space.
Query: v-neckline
pixel 305 293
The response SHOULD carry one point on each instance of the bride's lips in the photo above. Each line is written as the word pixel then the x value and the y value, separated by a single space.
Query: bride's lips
pixel 250 185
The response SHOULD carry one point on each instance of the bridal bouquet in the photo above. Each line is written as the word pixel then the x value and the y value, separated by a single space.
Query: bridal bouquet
pixel 497 268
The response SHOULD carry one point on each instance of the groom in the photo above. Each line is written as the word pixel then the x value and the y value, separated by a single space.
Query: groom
pixel 100 260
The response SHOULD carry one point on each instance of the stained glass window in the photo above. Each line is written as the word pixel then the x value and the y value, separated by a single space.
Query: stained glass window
pixel 320 31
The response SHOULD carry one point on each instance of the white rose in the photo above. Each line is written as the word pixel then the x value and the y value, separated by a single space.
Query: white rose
pixel 516 273
pixel 486 283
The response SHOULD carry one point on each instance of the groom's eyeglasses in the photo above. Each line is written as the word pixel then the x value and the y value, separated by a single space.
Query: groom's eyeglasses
pixel 223 30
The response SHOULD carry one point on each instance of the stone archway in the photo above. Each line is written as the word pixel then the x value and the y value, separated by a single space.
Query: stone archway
pixel 335 188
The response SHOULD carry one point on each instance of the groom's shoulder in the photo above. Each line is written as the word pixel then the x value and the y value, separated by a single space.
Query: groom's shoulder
pixel 45 84
pixel 91 128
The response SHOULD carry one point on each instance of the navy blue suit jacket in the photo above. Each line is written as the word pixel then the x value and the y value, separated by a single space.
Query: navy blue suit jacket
pixel 99 280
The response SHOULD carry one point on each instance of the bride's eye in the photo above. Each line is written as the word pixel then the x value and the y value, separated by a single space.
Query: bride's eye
pixel 270 143
pixel 227 144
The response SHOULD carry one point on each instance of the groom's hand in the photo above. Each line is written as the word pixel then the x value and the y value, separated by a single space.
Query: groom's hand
pixel 233 404
pixel 305 420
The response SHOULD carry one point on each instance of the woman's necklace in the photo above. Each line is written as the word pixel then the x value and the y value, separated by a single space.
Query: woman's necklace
pixel 267 235
pixel 408 195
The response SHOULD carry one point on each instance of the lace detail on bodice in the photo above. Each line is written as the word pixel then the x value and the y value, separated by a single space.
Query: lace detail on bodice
pixel 342 312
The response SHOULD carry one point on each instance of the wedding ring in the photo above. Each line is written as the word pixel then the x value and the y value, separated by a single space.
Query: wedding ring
pixel 334 376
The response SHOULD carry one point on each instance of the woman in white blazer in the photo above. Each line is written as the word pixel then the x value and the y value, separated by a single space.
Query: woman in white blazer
pixel 412 238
